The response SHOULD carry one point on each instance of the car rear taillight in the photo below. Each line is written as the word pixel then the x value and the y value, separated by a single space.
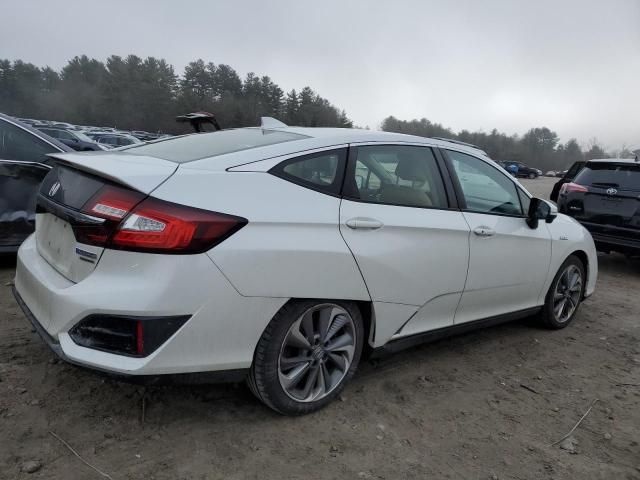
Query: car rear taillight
pixel 112 202
pixel 573 187
pixel 164 227
pixel 135 223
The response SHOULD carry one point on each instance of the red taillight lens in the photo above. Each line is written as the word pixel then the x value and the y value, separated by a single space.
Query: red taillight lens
pixel 573 187
pixel 133 222
pixel 112 202
pixel 164 227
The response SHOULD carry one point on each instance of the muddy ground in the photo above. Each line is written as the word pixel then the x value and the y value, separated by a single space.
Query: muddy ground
pixel 484 405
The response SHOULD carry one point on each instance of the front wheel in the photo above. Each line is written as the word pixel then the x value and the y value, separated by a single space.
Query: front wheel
pixel 307 353
pixel 565 294
pixel 532 175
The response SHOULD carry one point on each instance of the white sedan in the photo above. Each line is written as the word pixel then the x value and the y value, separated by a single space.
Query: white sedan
pixel 283 255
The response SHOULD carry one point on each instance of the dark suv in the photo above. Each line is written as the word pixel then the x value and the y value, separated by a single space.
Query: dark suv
pixel 605 198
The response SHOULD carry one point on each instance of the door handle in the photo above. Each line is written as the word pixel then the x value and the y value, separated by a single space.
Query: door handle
pixel 484 231
pixel 362 223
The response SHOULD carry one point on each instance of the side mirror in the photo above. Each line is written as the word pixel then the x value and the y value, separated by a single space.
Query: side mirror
pixel 540 209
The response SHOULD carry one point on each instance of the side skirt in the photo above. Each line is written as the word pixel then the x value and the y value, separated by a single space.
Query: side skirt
pixel 409 341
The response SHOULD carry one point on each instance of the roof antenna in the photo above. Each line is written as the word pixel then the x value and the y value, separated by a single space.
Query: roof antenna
pixel 270 122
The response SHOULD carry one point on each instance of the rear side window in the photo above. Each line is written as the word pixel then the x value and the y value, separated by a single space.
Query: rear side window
pixel 197 146
pixel 399 175
pixel 606 175
pixel 322 171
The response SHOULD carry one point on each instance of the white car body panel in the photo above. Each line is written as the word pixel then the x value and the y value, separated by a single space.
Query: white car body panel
pixel 412 270
pixel 568 236
pixel 507 269
pixel 296 236
pixel 221 334
pixel 398 258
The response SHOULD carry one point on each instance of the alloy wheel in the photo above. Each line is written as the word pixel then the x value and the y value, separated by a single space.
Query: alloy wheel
pixel 317 352
pixel 566 296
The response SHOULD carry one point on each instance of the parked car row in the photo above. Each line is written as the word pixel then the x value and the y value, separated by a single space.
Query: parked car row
pixel 85 138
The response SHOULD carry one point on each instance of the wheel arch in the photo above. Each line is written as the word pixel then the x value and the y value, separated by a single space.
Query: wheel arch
pixel 584 258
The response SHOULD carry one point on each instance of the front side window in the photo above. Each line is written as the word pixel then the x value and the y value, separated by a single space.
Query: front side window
pixel 485 188
pixel 321 171
pixel 395 175
pixel 18 144
pixel 525 201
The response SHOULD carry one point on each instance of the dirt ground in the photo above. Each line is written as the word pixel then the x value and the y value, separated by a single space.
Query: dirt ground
pixel 485 405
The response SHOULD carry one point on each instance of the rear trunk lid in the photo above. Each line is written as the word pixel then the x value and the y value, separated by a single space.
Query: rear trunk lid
pixel 74 180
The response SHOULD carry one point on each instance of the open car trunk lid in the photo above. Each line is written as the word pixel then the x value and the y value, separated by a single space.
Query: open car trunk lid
pixel 74 180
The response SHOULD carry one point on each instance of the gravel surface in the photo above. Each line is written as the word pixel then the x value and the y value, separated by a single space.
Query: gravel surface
pixel 486 405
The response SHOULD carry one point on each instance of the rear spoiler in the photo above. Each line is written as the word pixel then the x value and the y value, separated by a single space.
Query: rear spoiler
pixel 135 171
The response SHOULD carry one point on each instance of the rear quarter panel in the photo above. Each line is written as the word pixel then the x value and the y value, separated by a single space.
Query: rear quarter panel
pixel 291 246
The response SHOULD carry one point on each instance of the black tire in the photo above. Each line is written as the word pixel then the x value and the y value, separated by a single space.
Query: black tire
pixel 263 378
pixel 548 316
pixel 532 175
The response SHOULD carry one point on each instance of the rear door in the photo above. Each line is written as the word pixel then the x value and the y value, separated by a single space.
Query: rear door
pixel 407 236
pixel 23 165
pixel 508 261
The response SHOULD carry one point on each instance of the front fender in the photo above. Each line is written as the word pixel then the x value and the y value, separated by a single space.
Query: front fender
pixel 568 237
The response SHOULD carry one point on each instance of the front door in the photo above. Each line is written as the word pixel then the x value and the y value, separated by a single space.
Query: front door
pixel 508 261
pixel 410 244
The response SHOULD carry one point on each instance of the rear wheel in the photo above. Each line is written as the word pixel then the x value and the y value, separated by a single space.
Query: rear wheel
pixel 565 294
pixel 307 353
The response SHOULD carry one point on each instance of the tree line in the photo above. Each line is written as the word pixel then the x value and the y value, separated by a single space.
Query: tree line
pixel 539 147
pixel 132 93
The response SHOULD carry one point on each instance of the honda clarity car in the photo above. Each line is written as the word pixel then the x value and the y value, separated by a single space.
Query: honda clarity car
pixel 282 255
pixel 604 197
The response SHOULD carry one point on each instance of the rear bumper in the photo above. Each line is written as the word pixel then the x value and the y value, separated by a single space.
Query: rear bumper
pixel 222 376
pixel 611 241
pixel 221 334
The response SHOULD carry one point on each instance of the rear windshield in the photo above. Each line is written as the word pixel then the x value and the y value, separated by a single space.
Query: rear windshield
pixel 202 145
pixel 617 175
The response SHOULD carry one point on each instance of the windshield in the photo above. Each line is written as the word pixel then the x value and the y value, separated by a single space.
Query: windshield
pixel 196 146
pixel 625 176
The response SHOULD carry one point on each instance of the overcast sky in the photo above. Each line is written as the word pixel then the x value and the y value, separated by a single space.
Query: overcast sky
pixel 573 66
